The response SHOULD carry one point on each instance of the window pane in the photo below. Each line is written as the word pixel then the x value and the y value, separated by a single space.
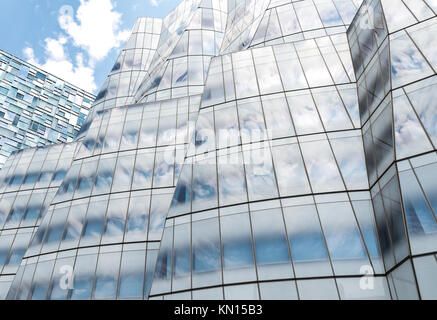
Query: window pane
pixel 277 116
pixel 261 182
pixel 115 220
pixel 107 275
pixel 343 238
pixel 271 245
pixel 321 166
pixel 232 181
pixel 206 253
pixel 238 261
pixel 137 220
pixel 290 170
pixel 304 113
pixel 123 174
pixel 204 185
pixel 132 275
pixel 143 170
pixel 307 243
pixel 182 260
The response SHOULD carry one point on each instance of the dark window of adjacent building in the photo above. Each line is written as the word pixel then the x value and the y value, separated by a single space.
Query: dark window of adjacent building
pixel 41 76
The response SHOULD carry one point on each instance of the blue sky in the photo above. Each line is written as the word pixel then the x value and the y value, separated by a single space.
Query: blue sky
pixel 76 40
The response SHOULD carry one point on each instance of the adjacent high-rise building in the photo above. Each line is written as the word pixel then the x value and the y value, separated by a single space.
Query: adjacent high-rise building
pixel 37 108
pixel 242 149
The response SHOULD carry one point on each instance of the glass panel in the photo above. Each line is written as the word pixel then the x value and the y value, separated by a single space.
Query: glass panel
pixel 33 209
pixel 426 269
pixel 366 220
pixel 41 280
pixel 290 170
pixel 131 133
pixel 422 226
pixel 24 289
pixel 332 111
pixel 409 134
pixel 85 180
pixel 17 252
pixel 164 168
pixel 5 245
pixel 150 270
pixel 321 166
pixel 182 258
pixel 17 212
pixel 244 73
pixel 290 68
pixel 307 243
pixel 252 128
pixel 277 116
pixel 181 202
pixel 138 218
pixel 132 275
pixel 343 238
pixel 226 126
pixel 323 289
pixel 143 170
pixel 382 129
pixel 350 289
pixel 68 185
pixel 271 245
pixel 74 226
pixel 238 261
pixel 425 175
pixel 123 174
pixel 167 130
pixel 349 153
pixel 94 223
pixel 158 213
pixel 208 294
pixel 404 282
pixel 261 182
pixel 267 71
pixel 313 65
pixel 304 113
pixel 408 64
pixel 204 185
pixel 55 229
pixel 104 176
pixel 61 279
pixel 113 231
pixel 422 99
pixel 243 292
pixel 232 180
pixel 206 253
pixel 107 275
pixel 149 130
pixel 162 278
pixel 284 290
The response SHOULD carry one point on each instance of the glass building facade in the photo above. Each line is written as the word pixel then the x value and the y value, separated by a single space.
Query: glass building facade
pixel 242 149
pixel 37 108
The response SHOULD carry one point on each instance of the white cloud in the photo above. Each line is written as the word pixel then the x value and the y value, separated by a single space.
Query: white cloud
pixel 57 63
pixel 97 29
pixel 154 3
pixel 94 30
